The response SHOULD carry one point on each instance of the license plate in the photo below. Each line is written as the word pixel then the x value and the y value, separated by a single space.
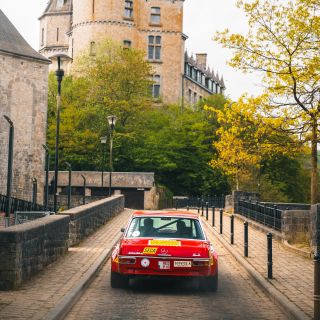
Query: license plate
pixel 182 264
pixel 164 265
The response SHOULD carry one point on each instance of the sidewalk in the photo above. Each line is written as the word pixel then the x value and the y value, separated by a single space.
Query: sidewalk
pixel 37 297
pixel 292 273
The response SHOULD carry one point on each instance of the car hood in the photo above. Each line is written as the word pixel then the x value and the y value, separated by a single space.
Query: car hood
pixel 165 247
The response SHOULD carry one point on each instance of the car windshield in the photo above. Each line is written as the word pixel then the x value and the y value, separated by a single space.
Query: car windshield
pixel 165 227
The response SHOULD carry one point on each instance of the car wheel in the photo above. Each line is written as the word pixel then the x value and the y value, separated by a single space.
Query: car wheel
pixel 209 283
pixel 118 280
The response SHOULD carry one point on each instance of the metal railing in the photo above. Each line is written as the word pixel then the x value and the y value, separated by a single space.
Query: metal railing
pixel 19 205
pixel 197 202
pixel 269 216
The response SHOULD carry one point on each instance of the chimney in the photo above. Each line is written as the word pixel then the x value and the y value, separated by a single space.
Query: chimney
pixel 202 59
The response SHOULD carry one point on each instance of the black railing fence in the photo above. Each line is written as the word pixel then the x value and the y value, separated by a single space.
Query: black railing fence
pixel 198 202
pixel 19 205
pixel 269 216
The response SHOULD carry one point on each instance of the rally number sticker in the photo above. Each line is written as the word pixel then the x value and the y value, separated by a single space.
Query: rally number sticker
pixel 169 243
pixel 149 250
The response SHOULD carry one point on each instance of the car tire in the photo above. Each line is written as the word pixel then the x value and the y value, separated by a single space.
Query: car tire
pixel 118 280
pixel 209 284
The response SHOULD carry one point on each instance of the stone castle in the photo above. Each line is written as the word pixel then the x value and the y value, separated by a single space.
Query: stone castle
pixel 23 98
pixel 154 26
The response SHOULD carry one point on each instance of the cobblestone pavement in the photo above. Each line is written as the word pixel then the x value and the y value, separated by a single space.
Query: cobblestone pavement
pixel 37 296
pixel 237 298
pixel 292 273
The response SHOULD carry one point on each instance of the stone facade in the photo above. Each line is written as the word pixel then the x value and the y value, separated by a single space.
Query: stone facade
pixel 295 226
pixel 142 182
pixel 23 98
pixel 132 23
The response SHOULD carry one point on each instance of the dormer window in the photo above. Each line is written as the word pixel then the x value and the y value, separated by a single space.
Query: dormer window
pixel 61 3
pixel 128 9
pixel 155 15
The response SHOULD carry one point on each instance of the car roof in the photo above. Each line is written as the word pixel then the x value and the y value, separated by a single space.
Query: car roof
pixel 154 213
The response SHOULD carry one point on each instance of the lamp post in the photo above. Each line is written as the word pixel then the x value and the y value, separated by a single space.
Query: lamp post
pixel 34 190
pixel 59 74
pixel 69 183
pixel 103 158
pixel 112 122
pixel 84 189
pixel 10 165
pixel 46 194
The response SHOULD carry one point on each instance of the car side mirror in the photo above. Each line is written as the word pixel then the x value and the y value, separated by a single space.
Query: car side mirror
pixel 123 229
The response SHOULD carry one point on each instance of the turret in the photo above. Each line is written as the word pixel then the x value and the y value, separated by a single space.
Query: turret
pixel 55 25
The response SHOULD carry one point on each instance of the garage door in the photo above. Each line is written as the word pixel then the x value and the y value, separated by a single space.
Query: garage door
pixel 134 199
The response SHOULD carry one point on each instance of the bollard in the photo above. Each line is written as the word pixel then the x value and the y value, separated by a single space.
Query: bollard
pixel 207 211
pixel 246 239
pixel 176 204
pixel 213 216
pixel 187 207
pixel 232 229
pixel 221 221
pixel 269 239
pixel 202 207
pixel 198 205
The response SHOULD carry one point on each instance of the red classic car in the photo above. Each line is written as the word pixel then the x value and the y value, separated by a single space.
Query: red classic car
pixel 158 243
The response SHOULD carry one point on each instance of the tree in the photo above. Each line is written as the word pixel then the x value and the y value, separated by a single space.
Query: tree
pixel 246 138
pixel 176 145
pixel 113 81
pixel 283 44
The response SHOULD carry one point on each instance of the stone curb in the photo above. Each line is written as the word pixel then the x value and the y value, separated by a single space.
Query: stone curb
pixel 289 308
pixel 63 307
pixel 298 251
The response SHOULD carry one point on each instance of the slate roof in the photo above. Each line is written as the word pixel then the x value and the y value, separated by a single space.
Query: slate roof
pixel 12 42
pixel 206 70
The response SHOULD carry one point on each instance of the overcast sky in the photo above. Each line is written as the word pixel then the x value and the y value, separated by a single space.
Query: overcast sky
pixel 202 18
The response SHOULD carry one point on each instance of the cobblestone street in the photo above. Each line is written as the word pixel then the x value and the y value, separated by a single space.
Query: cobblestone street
pixel 237 298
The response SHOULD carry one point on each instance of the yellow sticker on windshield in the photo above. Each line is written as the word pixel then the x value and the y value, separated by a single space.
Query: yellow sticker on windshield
pixel 168 243
pixel 149 250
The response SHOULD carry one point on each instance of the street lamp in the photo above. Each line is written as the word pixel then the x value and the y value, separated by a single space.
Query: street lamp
pixel 59 74
pixel 112 122
pixel 10 164
pixel 69 183
pixel 46 195
pixel 103 158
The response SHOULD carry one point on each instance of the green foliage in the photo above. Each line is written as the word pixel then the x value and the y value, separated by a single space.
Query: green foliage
pixel 175 144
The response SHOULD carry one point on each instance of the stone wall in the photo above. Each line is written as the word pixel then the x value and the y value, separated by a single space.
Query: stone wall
pixel 27 248
pixel 85 219
pixel 296 226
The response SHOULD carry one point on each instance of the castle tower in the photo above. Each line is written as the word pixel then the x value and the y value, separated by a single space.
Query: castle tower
pixel 153 26
pixel 55 23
